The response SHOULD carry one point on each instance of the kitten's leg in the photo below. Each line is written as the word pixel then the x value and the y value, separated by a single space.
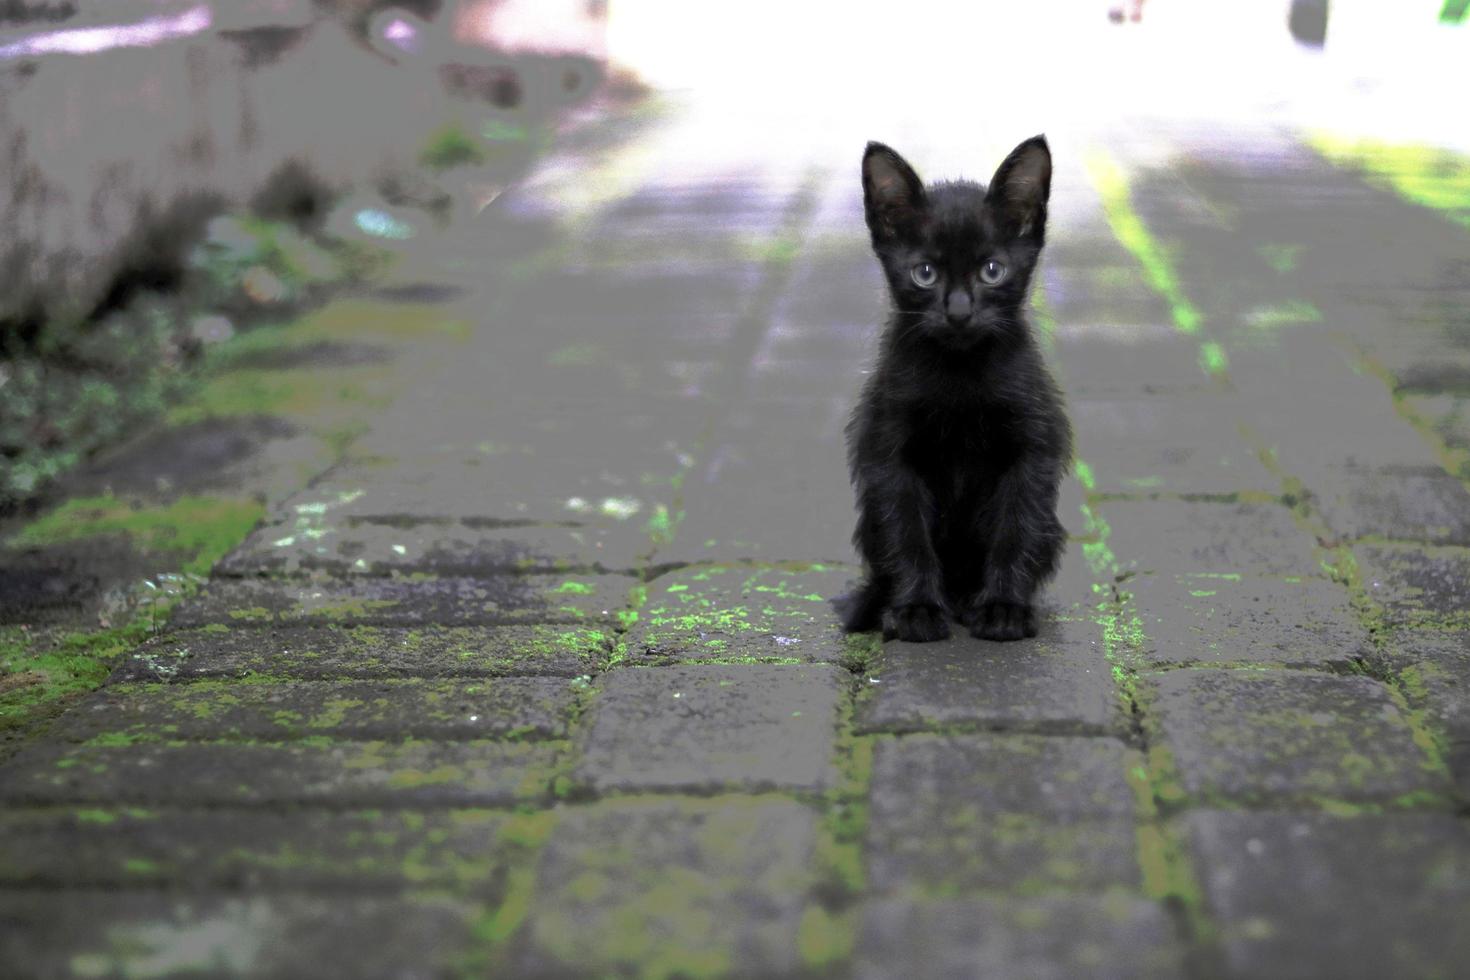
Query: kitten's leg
pixel 1021 540
pixel 896 537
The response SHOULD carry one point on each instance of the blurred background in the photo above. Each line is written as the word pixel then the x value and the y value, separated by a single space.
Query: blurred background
pixel 472 94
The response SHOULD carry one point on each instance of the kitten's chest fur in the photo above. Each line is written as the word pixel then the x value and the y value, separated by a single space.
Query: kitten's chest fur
pixel 959 445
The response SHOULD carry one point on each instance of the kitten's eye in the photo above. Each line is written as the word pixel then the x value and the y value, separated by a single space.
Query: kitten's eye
pixel 992 272
pixel 925 274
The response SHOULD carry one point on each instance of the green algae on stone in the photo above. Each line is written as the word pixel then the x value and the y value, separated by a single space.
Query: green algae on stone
pixel 826 939
pixel 663 523
pixel 1169 877
pixel 1128 227
pixel 1280 256
pixel 1282 314
pixel 258 710
pixel 1435 178
pixel 336 652
pixel 1212 359
pixel 740 613
pixel 200 530
pixel 451 146
pixel 39 672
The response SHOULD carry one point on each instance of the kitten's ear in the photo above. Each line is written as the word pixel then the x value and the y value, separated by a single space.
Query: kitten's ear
pixel 1021 186
pixel 893 195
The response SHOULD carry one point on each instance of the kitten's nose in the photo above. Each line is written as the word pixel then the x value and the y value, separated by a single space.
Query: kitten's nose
pixel 957 306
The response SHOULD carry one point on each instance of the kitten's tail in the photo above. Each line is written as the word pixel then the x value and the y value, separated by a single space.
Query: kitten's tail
pixel 862 610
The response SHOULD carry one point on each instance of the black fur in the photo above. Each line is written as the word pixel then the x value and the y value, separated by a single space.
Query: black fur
pixel 959 441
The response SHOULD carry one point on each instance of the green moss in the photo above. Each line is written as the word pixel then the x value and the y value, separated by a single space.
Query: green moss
pixel 1281 257
pixel 414 778
pixel 1163 777
pixel 1129 229
pixel 1167 874
pixel 38 673
pixel 1212 359
pixel 860 650
pixel 521 837
pixel 1282 314
pixel 301 394
pixel 570 587
pixel 825 939
pixel 333 713
pixel 124 738
pixel 200 530
pixel 662 524
pixel 344 610
pixel 1435 178
pixel 1084 475
pixel 451 147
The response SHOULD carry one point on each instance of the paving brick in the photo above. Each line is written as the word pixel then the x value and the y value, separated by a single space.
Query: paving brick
pixel 149 932
pixel 1275 885
pixel 766 485
pixel 1316 410
pixel 368 652
pixel 446 549
pixel 1228 618
pixel 678 887
pixel 1054 937
pixel 360 774
pixel 738 612
pixel 1401 503
pixel 1099 359
pixel 1058 681
pixel 952 814
pixel 534 707
pixel 1180 537
pixel 1447 415
pixel 708 727
pixel 1441 370
pixel 364 851
pixel 1179 444
pixel 1249 736
pixel 586 599
pixel 1417 586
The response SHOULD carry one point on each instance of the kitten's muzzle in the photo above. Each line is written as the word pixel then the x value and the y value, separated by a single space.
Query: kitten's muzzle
pixel 958 307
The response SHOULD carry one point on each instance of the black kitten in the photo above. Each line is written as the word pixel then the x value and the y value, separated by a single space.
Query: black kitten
pixel 959 441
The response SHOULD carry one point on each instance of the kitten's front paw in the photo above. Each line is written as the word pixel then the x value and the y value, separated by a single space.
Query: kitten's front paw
pixel 1001 621
pixel 919 623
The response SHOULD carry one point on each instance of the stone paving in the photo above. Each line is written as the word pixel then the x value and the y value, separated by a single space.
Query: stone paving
pixel 544 679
